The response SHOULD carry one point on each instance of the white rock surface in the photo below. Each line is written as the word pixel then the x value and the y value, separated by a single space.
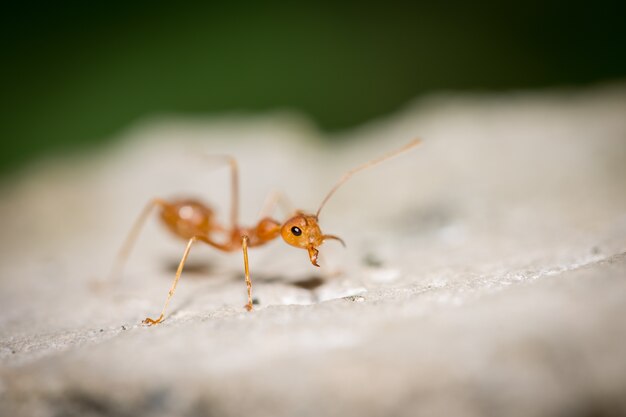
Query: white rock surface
pixel 485 272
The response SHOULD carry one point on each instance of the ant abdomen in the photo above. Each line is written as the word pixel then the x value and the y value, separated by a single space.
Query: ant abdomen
pixel 187 218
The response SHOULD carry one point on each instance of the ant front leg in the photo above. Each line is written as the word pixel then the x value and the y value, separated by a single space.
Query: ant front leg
pixel 244 247
pixel 179 271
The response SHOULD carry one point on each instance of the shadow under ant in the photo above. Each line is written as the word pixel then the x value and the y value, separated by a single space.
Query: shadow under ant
pixel 194 269
pixel 204 269
pixel 310 283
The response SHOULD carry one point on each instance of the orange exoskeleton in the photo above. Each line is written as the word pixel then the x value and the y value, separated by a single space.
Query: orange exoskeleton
pixel 193 221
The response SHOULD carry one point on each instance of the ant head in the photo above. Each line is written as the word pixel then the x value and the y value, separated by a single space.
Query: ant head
pixel 302 231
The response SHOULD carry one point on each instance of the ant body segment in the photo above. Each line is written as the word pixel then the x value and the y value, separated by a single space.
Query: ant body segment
pixel 192 221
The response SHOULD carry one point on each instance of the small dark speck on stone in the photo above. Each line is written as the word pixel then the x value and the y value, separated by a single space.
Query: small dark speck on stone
pixel 355 298
pixel 123 327
pixel 255 301
pixel 13 352
pixel 101 330
pixel 595 250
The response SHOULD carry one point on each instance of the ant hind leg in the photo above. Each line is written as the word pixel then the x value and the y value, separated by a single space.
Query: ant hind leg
pixel 129 242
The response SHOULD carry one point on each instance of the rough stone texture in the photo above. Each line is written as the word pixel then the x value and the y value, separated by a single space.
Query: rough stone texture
pixel 485 272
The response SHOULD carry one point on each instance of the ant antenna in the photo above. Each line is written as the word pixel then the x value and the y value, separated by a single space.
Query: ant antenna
pixel 369 164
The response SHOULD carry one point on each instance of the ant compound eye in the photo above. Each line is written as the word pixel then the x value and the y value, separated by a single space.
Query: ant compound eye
pixel 296 231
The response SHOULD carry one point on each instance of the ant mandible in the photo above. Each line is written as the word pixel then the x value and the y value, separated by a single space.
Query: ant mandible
pixel 191 220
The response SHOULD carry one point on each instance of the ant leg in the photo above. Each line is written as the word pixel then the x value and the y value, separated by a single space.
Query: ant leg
pixel 179 271
pixel 234 193
pixel 244 246
pixel 273 199
pixel 234 186
pixel 129 242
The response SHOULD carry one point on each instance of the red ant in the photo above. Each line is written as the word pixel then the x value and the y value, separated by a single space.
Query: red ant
pixel 191 220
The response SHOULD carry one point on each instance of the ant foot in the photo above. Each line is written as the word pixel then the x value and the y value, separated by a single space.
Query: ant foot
pixel 248 307
pixel 151 322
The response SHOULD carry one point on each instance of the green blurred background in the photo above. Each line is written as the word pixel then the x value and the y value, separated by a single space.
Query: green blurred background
pixel 76 73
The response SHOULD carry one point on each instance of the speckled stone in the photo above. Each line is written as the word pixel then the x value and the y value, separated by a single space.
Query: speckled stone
pixel 484 274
